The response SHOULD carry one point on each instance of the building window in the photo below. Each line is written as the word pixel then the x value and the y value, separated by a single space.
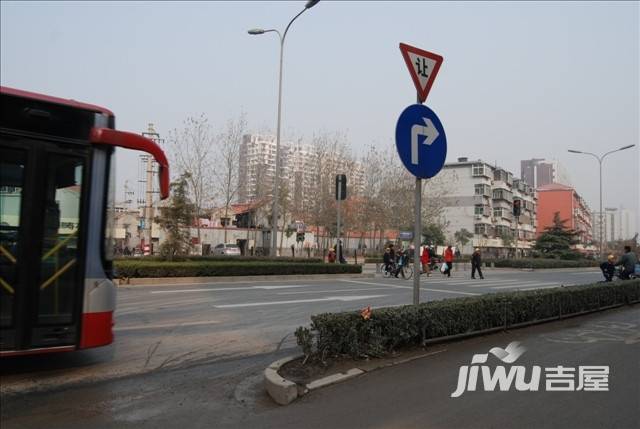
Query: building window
pixel 497 212
pixel 477 170
pixel 480 228
pixel 479 210
pixel 481 189
pixel 501 194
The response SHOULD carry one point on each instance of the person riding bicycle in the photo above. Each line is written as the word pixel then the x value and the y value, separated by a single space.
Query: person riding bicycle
pixel 401 262
pixel 386 260
pixel 608 268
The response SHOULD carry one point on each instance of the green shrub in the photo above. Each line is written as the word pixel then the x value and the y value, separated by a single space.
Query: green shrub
pixel 348 333
pixel 542 263
pixel 225 258
pixel 143 268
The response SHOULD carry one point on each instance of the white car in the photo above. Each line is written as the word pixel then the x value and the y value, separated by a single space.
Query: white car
pixel 228 249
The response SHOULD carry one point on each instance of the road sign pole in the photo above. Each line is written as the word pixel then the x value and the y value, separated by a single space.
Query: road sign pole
pixel 338 253
pixel 417 235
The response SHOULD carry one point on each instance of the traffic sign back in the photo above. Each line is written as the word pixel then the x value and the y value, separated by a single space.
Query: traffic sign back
pixel 421 141
pixel 423 67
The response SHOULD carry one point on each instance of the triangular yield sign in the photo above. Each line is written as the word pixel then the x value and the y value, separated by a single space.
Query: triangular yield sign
pixel 423 66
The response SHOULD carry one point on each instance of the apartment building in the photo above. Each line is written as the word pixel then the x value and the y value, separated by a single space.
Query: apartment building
pixel 480 199
pixel 570 205
pixel 298 163
pixel 539 172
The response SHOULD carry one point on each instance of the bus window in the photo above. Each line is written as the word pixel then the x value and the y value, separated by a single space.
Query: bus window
pixel 12 166
pixel 59 262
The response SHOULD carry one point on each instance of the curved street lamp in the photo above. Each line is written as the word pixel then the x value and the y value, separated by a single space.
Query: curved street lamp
pixel 255 32
pixel 600 159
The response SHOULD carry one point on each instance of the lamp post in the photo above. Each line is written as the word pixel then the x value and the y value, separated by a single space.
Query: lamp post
pixel 600 159
pixel 274 218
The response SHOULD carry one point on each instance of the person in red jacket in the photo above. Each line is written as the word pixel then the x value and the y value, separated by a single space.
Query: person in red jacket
pixel 425 260
pixel 448 258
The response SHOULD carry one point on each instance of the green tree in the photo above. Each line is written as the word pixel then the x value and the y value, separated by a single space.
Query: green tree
pixel 433 234
pixel 176 219
pixel 556 241
pixel 463 237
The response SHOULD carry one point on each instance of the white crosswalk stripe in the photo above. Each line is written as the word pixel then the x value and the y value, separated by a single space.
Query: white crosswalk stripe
pixel 528 285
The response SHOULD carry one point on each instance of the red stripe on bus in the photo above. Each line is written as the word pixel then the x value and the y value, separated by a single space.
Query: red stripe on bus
pixel 97 329
pixel 55 100
pixel 43 350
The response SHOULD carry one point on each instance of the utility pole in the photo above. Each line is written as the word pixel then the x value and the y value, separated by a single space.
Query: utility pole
pixel 150 170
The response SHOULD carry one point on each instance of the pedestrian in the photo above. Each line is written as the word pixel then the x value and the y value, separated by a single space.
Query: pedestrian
pixel 608 268
pixel 476 262
pixel 331 257
pixel 448 259
pixel 628 262
pixel 341 253
pixel 425 260
pixel 127 252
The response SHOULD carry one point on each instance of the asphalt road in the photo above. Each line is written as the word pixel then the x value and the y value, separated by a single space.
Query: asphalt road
pixel 172 326
pixel 229 394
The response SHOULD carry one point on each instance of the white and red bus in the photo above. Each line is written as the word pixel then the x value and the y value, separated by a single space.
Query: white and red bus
pixel 56 206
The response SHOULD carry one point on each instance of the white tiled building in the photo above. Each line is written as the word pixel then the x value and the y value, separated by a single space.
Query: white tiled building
pixel 480 199
pixel 257 165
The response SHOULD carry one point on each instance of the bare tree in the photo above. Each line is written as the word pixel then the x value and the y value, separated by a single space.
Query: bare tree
pixel 228 151
pixel 192 153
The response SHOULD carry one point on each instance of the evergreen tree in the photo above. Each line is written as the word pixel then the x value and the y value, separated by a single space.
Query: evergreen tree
pixel 556 241
pixel 176 219
pixel 463 237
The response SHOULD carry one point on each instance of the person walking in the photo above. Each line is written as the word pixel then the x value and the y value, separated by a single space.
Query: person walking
pixel 476 262
pixel 425 260
pixel 448 259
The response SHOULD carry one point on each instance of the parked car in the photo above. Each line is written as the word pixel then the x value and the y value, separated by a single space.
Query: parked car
pixel 228 249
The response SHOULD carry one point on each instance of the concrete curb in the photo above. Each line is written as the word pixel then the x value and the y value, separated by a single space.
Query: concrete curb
pixel 280 389
pixel 284 391
pixel 173 281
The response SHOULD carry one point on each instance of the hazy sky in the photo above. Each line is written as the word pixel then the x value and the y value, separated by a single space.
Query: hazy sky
pixel 519 80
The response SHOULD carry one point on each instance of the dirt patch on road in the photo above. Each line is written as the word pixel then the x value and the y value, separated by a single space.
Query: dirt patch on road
pixel 303 373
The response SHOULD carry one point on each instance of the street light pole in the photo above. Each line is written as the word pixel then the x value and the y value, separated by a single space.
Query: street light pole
pixel 600 159
pixel 274 211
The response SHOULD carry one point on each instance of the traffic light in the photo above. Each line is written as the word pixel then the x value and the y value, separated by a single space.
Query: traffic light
pixel 517 207
pixel 341 187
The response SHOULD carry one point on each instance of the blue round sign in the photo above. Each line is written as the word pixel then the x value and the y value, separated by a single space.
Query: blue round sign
pixel 421 141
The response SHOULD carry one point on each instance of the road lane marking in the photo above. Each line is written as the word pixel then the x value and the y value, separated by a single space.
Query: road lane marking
pixel 363 282
pixel 165 325
pixel 411 287
pixel 528 286
pixel 455 292
pixel 539 287
pixel 504 284
pixel 588 273
pixel 330 291
pixel 226 289
pixel 301 301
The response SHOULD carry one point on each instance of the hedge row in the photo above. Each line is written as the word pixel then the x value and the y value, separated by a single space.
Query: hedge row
pixel 543 263
pixel 129 268
pixel 522 263
pixel 334 334
pixel 224 258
